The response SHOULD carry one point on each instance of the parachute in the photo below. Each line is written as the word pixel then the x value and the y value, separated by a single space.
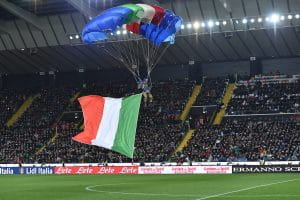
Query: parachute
pixel 154 29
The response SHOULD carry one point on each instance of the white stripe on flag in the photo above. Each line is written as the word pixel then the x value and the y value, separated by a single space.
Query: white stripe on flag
pixel 109 124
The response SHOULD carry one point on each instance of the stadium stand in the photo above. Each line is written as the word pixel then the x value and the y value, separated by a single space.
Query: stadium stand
pixel 266 98
pixel 159 129
pixel 10 101
pixel 212 91
pixel 34 128
pixel 248 139
pixel 39 137
pixel 210 98
pixel 260 125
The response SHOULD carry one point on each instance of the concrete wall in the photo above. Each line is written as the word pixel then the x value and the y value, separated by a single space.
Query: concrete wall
pixel 285 66
pixel 226 68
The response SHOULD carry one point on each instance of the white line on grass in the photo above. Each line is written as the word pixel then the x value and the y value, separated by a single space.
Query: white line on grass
pixel 92 189
pixel 263 195
pixel 245 189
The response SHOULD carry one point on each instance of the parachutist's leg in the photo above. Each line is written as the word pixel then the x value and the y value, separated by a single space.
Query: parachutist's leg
pixel 145 98
pixel 150 97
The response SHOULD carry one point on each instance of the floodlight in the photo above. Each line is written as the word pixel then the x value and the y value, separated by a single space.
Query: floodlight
pixel 210 24
pixel 196 25
pixel 259 20
pixel 274 18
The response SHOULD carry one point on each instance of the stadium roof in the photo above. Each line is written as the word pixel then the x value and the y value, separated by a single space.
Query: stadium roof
pixel 35 34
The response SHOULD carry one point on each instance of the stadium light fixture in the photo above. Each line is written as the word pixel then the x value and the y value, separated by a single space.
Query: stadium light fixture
pixel 196 25
pixel 274 18
pixel 237 21
pixel 118 32
pixel 267 19
pixel 259 20
pixel 224 23
pixel 210 24
pixel 290 16
pixel 22 49
pixel 282 17
pixel 189 26
pixel 245 21
pixel 77 36
pixel 124 32
pixel 71 37
pixel 203 24
pixel 252 20
pixel 217 23
pixel 182 26
pixel 297 16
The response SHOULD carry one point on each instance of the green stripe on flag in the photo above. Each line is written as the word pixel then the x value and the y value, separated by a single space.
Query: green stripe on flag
pixel 125 136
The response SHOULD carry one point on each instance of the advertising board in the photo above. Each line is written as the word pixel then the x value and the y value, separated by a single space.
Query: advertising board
pixel 266 169
pixel 97 170
pixel 9 170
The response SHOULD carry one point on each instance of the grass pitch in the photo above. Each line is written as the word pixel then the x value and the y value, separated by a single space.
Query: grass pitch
pixel 146 187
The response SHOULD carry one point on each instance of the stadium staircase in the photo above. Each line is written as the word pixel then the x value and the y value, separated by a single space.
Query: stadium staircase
pixel 74 97
pixel 56 133
pixel 48 143
pixel 226 99
pixel 20 111
pixel 191 101
pixel 185 141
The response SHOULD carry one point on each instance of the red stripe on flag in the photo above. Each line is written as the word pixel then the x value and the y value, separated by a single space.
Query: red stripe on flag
pixel 92 108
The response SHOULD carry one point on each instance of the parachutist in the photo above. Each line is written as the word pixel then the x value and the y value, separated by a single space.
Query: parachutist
pixel 148 97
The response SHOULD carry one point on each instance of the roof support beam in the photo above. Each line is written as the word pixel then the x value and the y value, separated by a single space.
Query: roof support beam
pixel 153 2
pixel 3 30
pixel 226 4
pixel 21 13
pixel 83 7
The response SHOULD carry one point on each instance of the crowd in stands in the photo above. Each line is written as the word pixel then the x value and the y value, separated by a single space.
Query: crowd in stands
pixel 209 100
pixel 47 106
pixel 34 128
pixel 212 91
pixel 265 98
pixel 158 134
pixel 246 139
pixel 159 129
pixel 10 101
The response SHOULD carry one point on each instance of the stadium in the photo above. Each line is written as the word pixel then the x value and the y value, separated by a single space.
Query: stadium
pixel 149 99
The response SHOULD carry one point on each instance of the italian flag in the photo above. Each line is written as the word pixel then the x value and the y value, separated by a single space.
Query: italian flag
pixel 110 122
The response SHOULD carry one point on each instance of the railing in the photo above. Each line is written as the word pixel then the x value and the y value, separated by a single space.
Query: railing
pixel 265 114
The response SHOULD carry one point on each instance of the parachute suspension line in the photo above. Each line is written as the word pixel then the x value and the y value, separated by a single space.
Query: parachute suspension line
pixel 155 51
pixel 133 55
pixel 162 53
pixel 115 52
pixel 143 51
pixel 148 58
pixel 137 51
pixel 126 52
